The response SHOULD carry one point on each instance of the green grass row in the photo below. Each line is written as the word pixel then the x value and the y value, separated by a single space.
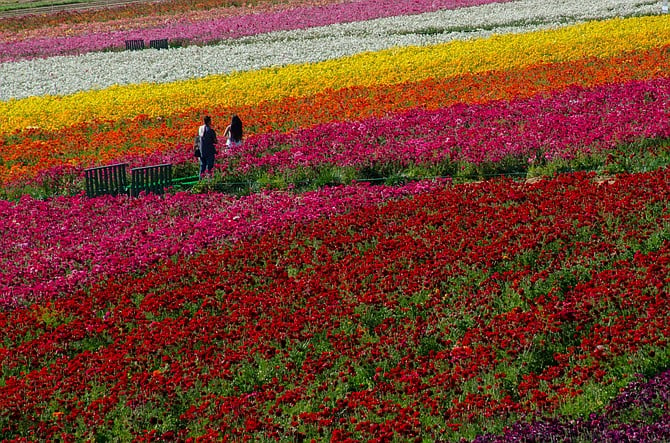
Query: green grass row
pixel 641 156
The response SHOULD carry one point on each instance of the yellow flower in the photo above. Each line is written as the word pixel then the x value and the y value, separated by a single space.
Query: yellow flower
pixel 592 39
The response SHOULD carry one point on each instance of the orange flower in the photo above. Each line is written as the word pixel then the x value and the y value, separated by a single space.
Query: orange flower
pixel 104 142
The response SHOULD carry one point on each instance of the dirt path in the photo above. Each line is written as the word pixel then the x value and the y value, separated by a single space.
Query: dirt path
pixel 53 8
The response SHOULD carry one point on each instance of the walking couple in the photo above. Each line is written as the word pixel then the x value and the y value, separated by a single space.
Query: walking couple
pixel 206 141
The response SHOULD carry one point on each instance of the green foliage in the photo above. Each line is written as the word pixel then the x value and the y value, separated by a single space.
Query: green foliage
pixel 15 6
pixel 640 156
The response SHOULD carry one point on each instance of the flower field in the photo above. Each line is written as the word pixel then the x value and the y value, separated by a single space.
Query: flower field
pixel 449 221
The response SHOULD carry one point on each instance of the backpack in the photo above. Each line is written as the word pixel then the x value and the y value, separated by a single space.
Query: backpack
pixel 196 146
pixel 208 137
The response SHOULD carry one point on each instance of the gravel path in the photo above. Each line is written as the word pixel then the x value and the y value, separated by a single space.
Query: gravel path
pixel 93 4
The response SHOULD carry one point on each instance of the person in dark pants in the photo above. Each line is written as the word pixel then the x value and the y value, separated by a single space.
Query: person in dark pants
pixel 208 144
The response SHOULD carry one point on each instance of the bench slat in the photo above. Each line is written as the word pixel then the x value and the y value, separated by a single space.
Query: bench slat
pixel 150 179
pixel 159 43
pixel 102 180
pixel 134 44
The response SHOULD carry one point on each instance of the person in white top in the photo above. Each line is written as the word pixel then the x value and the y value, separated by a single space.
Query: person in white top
pixel 234 132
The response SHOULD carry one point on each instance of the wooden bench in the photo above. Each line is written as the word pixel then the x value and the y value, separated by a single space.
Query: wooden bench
pixel 150 179
pixel 134 44
pixel 159 43
pixel 102 180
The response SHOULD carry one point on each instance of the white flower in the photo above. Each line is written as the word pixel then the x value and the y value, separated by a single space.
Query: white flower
pixel 69 74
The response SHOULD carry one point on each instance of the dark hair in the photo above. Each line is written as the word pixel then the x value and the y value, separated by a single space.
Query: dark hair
pixel 236 132
pixel 207 120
